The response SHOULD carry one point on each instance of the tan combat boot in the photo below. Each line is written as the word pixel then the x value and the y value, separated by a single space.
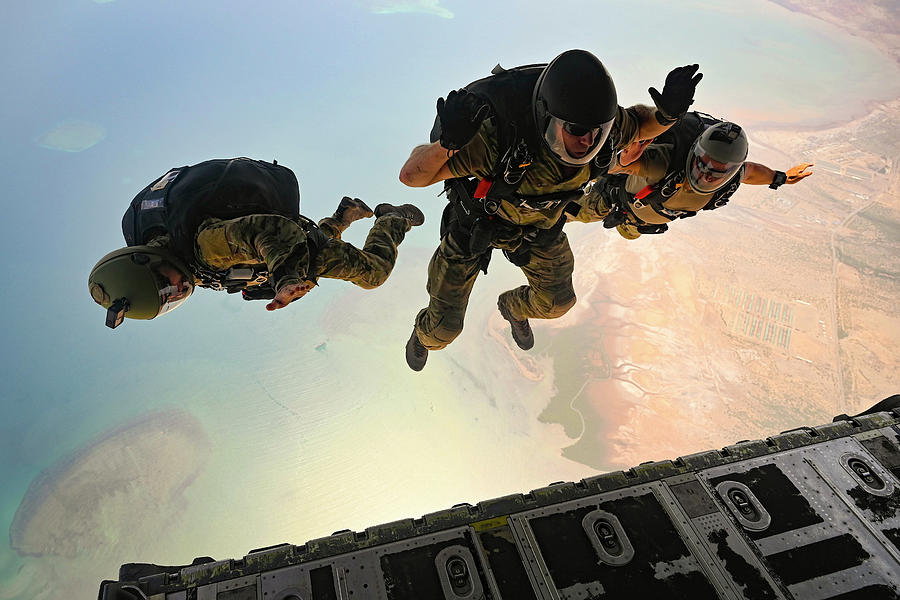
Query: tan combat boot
pixel 410 212
pixel 416 353
pixel 348 211
pixel 521 330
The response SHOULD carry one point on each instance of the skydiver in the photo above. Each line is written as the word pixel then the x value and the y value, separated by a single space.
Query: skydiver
pixel 235 225
pixel 514 148
pixel 697 165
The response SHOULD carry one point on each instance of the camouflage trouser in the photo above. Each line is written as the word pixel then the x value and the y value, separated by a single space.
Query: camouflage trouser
pixel 452 273
pixel 368 268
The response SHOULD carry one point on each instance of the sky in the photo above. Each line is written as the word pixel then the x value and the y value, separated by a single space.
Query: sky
pixel 102 97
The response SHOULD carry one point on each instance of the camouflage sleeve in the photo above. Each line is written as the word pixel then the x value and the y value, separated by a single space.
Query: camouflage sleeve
pixel 277 241
pixel 476 158
pixel 160 241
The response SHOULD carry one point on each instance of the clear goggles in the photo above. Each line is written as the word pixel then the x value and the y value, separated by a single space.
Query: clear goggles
pixel 584 142
pixel 705 174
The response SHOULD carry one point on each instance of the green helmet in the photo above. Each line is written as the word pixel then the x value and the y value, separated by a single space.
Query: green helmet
pixel 139 282
pixel 715 157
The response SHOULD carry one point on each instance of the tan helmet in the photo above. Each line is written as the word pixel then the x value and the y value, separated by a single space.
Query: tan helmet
pixel 139 282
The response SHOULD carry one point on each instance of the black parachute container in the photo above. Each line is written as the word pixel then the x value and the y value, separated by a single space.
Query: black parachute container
pixel 179 201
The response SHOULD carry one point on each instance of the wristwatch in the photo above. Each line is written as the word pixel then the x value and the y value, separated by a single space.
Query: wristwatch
pixel 778 180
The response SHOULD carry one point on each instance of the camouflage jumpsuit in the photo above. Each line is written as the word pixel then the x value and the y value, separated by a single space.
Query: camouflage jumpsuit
pixel 282 245
pixel 453 270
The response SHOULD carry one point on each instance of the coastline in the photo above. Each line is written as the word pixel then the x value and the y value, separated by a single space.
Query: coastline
pixel 845 21
pixel 869 108
pixel 46 498
pixel 863 23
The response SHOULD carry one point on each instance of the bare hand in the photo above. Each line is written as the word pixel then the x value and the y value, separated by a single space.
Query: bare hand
pixel 288 294
pixel 795 174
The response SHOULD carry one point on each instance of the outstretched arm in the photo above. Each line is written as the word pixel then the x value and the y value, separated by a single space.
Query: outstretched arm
pixel 628 160
pixel 648 125
pixel 426 164
pixel 460 117
pixel 757 174
pixel 276 241
pixel 674 100
pixel 642 123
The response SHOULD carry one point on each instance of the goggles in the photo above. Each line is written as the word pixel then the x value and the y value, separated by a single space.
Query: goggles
pixel 580 130
pixel 553 137
pixel 707 175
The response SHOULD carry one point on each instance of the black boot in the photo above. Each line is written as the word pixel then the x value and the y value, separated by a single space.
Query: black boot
pixel 408 211
pixel 416 353
pixel 521 330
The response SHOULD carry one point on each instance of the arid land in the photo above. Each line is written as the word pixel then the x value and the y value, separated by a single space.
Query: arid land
pixel 776 311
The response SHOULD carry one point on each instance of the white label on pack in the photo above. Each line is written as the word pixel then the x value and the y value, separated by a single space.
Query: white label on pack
pixel 154 203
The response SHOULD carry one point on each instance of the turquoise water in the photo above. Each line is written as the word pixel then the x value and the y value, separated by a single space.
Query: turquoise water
pixel 110 95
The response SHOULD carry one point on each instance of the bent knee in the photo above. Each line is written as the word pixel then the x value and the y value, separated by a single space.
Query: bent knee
pixel 373 278
pixel 560 304
pixel 374 281
pixel 370 283
pixel 441 334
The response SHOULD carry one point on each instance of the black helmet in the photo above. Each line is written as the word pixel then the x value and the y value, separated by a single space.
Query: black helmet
pixel 139 282
pixel 575 94
pixel 715 157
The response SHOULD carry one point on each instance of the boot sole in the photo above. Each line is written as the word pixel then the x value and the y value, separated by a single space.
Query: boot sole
pixel 366 212
pixel 415 217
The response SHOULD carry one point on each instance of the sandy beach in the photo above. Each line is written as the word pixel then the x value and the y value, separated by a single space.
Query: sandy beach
pixel 102 492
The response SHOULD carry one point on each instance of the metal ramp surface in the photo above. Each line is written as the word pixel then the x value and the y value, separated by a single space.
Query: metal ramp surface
pixel 808 514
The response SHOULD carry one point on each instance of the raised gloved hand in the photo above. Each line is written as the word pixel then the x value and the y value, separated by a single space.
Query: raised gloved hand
pixel 795 174
pixel 461 115
pixel 678 92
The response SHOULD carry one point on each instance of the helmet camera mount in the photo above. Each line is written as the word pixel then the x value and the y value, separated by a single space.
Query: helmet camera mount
pixel 115 314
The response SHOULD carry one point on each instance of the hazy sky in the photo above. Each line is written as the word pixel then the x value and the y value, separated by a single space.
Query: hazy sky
pixel 101 97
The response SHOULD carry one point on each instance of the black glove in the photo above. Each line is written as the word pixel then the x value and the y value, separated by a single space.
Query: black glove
pixel 661 228
pixel 614 218
pixel 678 92
pixel 460 115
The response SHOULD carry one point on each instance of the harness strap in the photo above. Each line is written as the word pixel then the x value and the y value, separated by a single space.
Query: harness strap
pixel 656 195
pixel 315 241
